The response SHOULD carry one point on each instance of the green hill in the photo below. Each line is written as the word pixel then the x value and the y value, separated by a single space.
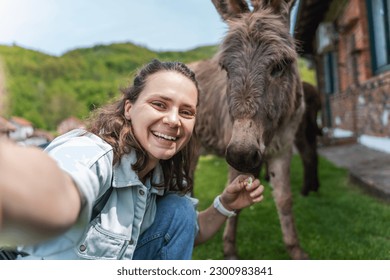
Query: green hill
pixel 47 89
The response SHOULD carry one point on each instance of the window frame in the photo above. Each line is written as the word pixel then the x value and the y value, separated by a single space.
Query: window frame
pixel 375 68
pixel 330 70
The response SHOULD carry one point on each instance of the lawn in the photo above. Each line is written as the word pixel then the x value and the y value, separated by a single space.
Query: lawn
pixel 339 222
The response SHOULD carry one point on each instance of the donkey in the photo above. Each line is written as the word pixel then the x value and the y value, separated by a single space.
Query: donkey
pixel 306 139
pixel 251 103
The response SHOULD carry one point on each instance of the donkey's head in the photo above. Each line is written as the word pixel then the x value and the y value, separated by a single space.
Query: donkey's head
pixel 258 54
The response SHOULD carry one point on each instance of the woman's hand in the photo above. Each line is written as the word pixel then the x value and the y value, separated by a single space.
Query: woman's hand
pixel 37 199
pixel 242 192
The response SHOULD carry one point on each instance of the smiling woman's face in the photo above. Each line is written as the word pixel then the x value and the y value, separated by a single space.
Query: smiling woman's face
pixel 163 117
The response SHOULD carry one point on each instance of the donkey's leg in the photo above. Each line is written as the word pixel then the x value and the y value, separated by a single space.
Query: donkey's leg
pixel 309 156
pixel 229 234
pixel 229 238
pixel 279 169
pixel 311 167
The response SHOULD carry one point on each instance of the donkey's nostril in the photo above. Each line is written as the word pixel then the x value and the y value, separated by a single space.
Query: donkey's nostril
pixel 255 157
pixel 243 160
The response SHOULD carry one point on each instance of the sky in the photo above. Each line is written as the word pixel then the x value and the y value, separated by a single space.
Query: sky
pixel 57 26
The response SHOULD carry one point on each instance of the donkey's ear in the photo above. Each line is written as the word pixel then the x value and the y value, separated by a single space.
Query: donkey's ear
pixel 276 5
pixel 256 4
pixel 281 7
pixel 230 8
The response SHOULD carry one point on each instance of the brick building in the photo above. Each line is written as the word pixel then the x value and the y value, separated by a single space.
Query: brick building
pixel 349 43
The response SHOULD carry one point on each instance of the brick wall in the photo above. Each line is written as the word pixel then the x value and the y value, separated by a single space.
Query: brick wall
pixel 362 103
pixel 364 109
pixel 353 44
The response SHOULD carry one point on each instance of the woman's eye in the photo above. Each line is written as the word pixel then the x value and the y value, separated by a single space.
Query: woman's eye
pixel 187 114
pixel 158 105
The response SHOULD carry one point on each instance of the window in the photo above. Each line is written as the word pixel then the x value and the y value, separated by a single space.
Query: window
pixel 379 24
pixel 330 72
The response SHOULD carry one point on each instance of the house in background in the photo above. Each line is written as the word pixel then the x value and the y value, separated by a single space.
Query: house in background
pixel 6 128
pixel 348 41
pixel 38 138
pixel 24 129
pixel 24 133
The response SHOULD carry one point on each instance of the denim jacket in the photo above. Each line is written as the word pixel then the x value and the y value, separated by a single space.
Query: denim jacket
pixel 129 211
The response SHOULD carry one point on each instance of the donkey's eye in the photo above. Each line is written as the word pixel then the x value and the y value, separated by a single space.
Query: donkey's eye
pixel 277 70
pixel 223 67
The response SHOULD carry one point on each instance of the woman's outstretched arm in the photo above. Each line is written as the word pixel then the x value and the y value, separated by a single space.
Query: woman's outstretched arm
pixel 37 199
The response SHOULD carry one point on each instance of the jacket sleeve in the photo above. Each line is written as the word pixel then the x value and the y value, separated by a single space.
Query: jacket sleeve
pixel 88 160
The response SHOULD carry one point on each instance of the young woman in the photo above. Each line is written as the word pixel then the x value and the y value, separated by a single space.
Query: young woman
pixel 136 155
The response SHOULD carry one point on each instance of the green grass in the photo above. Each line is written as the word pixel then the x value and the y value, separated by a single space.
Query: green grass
pixel 339 222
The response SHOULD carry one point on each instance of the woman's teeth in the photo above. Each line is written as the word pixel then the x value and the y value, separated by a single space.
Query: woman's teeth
pixel 164 136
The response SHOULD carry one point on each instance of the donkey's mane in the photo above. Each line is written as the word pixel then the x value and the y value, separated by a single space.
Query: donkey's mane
pixel 263 26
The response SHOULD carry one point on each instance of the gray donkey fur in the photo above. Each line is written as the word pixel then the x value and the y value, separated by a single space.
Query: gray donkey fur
pixel 251 103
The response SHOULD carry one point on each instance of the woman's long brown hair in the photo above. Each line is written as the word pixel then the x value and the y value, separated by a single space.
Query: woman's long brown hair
pixel 111 125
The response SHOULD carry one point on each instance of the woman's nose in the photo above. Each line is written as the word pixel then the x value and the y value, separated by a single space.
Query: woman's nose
pixel 172 118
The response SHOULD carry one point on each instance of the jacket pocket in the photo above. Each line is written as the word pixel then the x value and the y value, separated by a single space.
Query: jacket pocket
pixel 98 243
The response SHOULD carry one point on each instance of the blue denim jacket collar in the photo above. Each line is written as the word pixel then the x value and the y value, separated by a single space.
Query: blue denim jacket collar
pixel 125 176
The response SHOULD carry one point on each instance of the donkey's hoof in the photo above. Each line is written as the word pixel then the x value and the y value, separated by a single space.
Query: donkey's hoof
pixel 305 192
pixel 297 253
pixel 231 257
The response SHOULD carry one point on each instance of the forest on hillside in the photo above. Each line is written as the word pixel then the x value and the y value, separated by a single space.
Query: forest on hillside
pixel 46 89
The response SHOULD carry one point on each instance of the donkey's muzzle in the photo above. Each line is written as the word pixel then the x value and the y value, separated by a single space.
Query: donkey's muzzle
pixel 243 160
pixel 244 152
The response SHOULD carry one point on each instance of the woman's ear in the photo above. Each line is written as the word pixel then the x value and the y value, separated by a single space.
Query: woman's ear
pixel 127 109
